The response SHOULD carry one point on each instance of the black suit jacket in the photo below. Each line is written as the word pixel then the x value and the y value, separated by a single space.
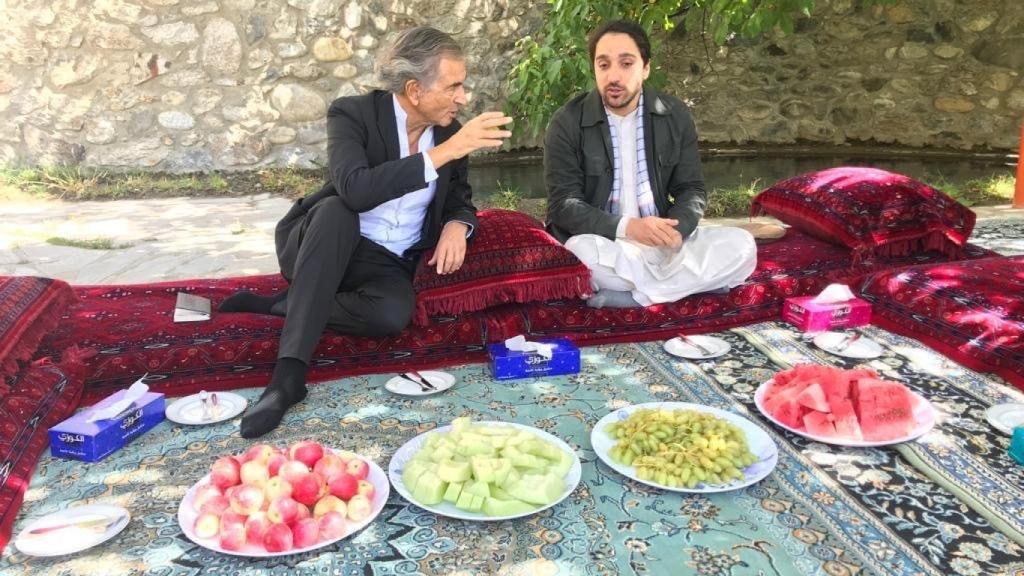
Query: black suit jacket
pixel 365 169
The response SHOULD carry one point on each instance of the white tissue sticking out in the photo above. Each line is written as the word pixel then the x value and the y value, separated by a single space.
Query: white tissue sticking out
pixel 134 392
pixel 834 293
pixel 521 344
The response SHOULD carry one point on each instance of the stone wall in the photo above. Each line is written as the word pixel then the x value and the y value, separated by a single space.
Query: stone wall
pixel 185 85
pixel 936 73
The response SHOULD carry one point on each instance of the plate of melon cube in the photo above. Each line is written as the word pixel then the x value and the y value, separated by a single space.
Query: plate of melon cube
pixel 485 470
pixel 854 407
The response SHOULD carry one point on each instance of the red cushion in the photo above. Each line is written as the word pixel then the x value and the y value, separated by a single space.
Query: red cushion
pixel 873 212
pixel 971 311
pixel 29 308
pixel 510 259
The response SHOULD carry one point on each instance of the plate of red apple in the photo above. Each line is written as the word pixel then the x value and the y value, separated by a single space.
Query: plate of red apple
pixel 274 502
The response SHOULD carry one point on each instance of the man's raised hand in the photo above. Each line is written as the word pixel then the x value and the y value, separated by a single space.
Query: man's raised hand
pixel 479 133
pixel 654 231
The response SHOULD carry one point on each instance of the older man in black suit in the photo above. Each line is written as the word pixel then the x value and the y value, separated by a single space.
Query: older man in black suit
pixel 397 187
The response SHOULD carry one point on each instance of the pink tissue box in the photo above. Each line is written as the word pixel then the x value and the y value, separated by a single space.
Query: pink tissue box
pixel 809 316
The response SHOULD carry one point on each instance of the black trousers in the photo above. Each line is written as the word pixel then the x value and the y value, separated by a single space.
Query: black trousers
pixel 338 279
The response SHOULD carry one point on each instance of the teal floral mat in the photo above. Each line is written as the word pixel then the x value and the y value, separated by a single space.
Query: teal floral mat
pixel 949 503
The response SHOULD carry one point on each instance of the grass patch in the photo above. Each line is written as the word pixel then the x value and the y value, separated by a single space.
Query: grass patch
pixel 732 202
pixel 76 183
pixel 977 192
pixel 291 182
pixel 88 243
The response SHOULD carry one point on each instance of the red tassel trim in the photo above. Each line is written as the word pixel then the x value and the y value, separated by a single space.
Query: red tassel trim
pixel 29 331
pixel 522 288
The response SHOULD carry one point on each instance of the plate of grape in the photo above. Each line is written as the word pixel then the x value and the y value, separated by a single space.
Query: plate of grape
pixel 684 447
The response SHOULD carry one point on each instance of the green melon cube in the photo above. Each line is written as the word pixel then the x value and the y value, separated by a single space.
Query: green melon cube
pixel 413 470
pixel 442 454
pixel 476 504
pixel 431 441
pixel 479 488
pixel 461 423
pixel 501 469
pixel 500 494
pixel 453 492
pixel 450 471
pixel 496 507
pixel 512 477
pixel 562 466
pixel 430 489
pixel 537 489
pixel 465 501
pixel 495 430
pixel 483 468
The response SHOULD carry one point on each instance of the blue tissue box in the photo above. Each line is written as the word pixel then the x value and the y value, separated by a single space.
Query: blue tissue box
pixel 78 439
pixel 509 364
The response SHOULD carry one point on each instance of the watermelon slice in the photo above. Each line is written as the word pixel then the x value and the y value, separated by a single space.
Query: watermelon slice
pixel 884 409
pixel 819 424
pixel 814 398
pixel 783 406
pixel 845 419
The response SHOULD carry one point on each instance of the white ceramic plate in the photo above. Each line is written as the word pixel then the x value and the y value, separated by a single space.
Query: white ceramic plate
pixel 761 445
pixel 924 416
pixel 715 345
pixel 441 381
pixel 1005 417
pixel 410 448
pixel 187 518
pixel 71 540
pixel 862 348
pixel 189 410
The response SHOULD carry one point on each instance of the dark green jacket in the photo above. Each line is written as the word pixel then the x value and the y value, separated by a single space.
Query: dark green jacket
pixel 578 165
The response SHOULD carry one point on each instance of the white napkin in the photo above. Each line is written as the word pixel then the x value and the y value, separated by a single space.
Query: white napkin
pixel 134 392
pixel 834 293
pixel 521 344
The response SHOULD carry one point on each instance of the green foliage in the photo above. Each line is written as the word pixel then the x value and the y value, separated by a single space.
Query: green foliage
pixel 554 66
pixel 101 243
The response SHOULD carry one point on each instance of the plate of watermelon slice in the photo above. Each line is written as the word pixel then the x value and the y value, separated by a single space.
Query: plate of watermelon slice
pixel 844 407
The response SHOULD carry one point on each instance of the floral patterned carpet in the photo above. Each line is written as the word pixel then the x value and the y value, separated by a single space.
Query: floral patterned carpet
pixel 949 503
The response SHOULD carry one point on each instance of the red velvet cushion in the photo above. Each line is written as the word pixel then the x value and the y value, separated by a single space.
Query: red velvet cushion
pixel 873 212
pixel 971 311
pixel 29 308
pixel 510 259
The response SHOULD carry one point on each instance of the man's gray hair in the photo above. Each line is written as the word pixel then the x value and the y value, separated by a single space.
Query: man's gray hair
pixel 414 55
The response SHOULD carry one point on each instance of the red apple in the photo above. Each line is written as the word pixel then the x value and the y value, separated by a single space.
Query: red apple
pixel 366 489
pixel 229 519
pixel 255 472
pixel 329 503
pixel 305 532
pixel 216 505
pixel 332 525
pixel 259 453
pixel 292 469
pixel 306 451
pixel 232 537
pixel 225 473
pixel 256 527
pixel 204 494
pixel 282 510
pixel 275 463
pixel 309 488
pixel 358 468
pixel 277 487
pixel 247 499
pixel 278 538
pixel 359 508
pixel 303 512
pixel 345 486
pixel 207 525
pixel 345 455
pixel 329 467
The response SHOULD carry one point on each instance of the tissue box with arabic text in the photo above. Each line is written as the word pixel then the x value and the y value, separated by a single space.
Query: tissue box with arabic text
pixel 810 316
pixel 78 439
pixel 508 364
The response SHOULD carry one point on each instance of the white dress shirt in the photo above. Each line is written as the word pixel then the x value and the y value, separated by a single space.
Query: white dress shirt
pixel 628 207
pixel 398 224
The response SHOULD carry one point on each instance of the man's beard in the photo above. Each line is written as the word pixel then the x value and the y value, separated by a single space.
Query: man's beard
pixel 624 99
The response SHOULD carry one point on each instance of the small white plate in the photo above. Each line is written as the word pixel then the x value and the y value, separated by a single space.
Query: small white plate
pixel 187 518
pixel 189 410
pixel 715 345
pixel 410 448
pixel 759 442
pixel 924 419
pixel 862 348
pixel 441 381
pixel 1005 417
pixel 70 540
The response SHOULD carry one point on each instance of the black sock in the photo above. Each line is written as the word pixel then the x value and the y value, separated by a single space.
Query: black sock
pixel 248 302
pixel 287 387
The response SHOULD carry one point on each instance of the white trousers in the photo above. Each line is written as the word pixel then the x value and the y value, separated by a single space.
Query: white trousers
pixel 712 258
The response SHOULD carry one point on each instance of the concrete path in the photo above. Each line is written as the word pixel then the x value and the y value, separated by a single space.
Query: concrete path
pixel 166 239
